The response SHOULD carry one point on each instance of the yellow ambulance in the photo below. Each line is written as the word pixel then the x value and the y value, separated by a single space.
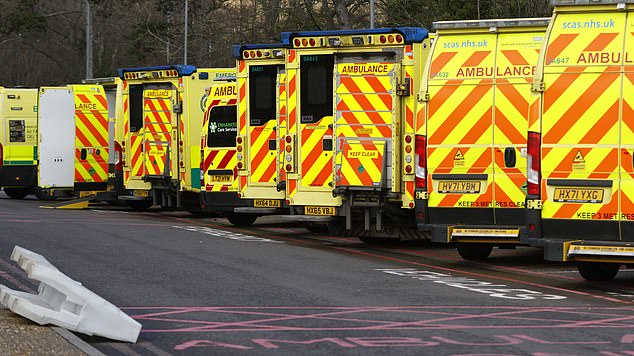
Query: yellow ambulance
pixel 163 109
pixel 18 141
pixel 471 132
pixel 580 204
pixel 261 119
pixel 219 174
pixel 73 144
pixel 349 151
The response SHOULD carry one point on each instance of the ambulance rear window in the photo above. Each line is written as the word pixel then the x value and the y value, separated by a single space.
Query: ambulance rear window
pixel 223 126
pixel 262 98
pixel 316 87
pixel 136 107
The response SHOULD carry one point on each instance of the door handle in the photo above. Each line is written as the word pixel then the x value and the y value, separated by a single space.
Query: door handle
pixel 510 159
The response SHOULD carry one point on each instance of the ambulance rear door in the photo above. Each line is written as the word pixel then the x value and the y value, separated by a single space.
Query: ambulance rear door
pixel 56 128
pixel 581 106
pixel 365 121
pixel 516 56
pixel 459 125
pixel 151 143
pixel 91 134
pixel 220 128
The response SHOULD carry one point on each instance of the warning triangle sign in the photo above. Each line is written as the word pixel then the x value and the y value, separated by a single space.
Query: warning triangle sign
pixel 458 155
pixel 579 158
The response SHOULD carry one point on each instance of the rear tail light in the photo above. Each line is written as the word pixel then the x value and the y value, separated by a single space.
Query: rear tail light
pixel 118 157
pixel 420 161
pixel 533 159
pixel 1 155
pixel 202 171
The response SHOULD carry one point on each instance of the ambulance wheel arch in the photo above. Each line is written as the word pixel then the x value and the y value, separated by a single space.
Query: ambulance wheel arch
pixel 598 271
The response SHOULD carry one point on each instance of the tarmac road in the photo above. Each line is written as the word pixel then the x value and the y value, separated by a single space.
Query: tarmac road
pixel 202 286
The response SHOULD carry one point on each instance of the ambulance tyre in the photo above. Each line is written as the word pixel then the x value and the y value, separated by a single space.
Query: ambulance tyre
pixel 17 193
pixel 139 205
pixel 472 252
pixel 242 219
pixel 42 194
pixel 598 271
pixel 317 228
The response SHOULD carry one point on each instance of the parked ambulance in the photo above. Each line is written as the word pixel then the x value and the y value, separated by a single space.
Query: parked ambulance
pixel 580 204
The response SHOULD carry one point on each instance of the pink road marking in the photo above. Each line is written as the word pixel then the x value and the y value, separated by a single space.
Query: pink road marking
pixel 499 313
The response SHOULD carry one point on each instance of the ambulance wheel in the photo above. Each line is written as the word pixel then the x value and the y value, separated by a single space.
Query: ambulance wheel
pixel 317 228
pixel 471 252
pixel 43 194
pixel 242 219
pixel 598 271
pixel 139 205
pixel 17 193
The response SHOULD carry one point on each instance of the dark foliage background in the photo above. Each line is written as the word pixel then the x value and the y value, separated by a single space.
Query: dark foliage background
pixel 42 42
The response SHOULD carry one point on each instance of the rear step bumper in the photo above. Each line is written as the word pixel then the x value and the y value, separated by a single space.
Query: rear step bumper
pixel 589 251
pixel 496 235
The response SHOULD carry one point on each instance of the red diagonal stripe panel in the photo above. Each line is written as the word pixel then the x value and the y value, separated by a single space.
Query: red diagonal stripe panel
pixel 224 162
pixel 478 129
pixel 445 92
pixel 603 125
pixel 515 57
pixel 559 45
pixel 461 111
pixel 482 163
pixel 510 92
pixel 476 58
pixel 103 101
pixel 324 175
pixel 210 157
pixel 508 129
pixel 601 41
pixel 83 98
pixel 580 106
pixel 441 61
pixel 559 86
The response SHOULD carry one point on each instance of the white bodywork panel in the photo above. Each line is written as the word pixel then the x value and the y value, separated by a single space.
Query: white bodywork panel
pixel 56 127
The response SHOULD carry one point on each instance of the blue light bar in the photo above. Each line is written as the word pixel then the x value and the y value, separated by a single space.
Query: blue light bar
pixel 410 34
pixel 237 49
pixel 182 69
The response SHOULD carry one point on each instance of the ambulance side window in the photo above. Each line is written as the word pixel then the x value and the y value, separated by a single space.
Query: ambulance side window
pixel 262 99
pixel 136 107
pixel 316 87
pixel 223 127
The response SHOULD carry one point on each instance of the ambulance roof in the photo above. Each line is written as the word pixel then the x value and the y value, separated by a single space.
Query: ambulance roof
pixel 237 49
pixel 410 34
pixel 590 2
pixel 467 24
pixel 182 69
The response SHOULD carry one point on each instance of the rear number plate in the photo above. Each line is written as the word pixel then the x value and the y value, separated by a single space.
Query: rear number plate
pixel 455 187
pixel 319 210
pixel 141 193
pixel 266 203
pixel 221 179
pixel 578 195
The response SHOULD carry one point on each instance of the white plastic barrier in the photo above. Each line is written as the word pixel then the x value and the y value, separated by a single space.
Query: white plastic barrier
pixel 65 302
